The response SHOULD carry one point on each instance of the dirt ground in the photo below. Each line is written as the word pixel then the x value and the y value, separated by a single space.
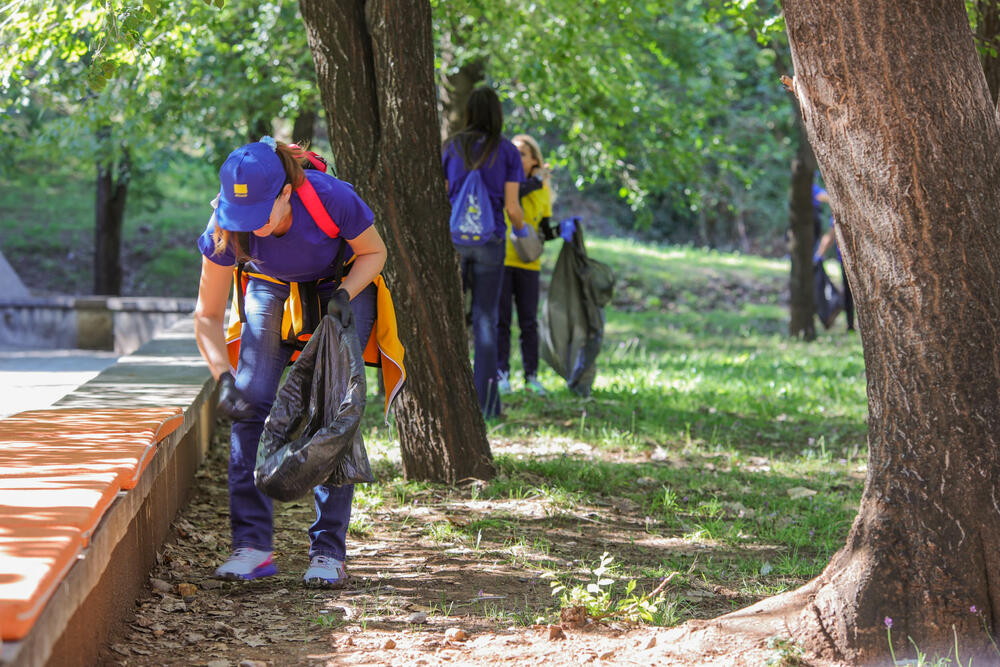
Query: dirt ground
pixel 411 600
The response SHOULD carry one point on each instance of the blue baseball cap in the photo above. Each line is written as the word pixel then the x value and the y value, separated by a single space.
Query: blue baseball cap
pixel 251 179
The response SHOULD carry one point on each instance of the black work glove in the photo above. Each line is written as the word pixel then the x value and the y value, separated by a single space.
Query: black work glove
pixel 339 308
pixel 231 401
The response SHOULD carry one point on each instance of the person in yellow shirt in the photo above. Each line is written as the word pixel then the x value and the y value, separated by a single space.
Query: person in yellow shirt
pixel 520 283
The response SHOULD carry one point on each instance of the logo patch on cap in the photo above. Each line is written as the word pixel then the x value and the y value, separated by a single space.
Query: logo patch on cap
pixel 239 189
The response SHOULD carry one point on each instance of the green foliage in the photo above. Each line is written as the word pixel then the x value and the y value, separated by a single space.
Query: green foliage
pixel 787 653
pixel 667 104
pixel 599 603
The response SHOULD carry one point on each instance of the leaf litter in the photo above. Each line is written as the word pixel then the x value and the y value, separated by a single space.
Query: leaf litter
pixel 410 599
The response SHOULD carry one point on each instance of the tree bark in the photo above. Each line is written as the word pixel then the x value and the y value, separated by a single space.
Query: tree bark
pixel 987 15
pixel 109 214
pixel 375 67
pixel 801 241
pixel 898 111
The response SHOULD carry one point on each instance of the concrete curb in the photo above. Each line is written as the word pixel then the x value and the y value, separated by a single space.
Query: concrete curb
pixel 99 590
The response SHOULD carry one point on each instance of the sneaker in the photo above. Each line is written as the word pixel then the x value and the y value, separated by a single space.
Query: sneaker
pixel 246 564
pixel 503 382
pixel 325 572
pixel 532 384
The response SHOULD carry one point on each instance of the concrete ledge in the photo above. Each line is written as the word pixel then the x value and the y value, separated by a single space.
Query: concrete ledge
pixel 99 590
pixel 90 323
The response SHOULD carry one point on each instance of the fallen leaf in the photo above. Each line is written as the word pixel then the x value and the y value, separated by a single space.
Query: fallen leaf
pixel 389 644
pixel 160 585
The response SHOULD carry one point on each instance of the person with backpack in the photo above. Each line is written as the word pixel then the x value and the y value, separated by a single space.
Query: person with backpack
pixel 520 278
pixel 262 221
pixel 483 173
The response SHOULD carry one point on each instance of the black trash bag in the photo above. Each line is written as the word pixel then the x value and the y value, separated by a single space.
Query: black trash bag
pixel 572 322
pixel 311 436
pixel 829 300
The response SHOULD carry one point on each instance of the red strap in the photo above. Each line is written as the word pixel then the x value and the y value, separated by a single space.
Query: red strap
pixel 307 193
pixel 317 160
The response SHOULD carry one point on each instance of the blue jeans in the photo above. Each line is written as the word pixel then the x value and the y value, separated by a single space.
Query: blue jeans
pixel 263 358
pixel 482 272
pixel 520 285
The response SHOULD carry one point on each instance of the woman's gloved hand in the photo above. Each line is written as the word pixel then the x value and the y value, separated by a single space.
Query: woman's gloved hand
pixel 231 401
pixel 340 308
pixel 567 228
pixel 519 233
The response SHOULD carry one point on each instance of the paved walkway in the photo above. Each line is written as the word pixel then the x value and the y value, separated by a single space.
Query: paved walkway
pixel 35 379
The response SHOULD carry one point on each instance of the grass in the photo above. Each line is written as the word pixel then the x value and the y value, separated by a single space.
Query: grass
pixel 47 227
pixel 711 446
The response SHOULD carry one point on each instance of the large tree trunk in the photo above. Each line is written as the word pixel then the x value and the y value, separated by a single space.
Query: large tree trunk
pixel 897 109
pixel 801 241
pixel 375 66
pixel 109 215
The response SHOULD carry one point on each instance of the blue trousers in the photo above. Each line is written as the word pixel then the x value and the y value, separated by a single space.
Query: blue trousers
pixel 482 272
pixel 519 286
pixel 263 358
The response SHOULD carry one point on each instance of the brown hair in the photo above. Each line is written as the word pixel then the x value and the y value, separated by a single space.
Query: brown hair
pixel 292 160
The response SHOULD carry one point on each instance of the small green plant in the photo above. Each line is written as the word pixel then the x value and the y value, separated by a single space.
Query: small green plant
pixel 327 621
pixel 786 652
pixel 598 603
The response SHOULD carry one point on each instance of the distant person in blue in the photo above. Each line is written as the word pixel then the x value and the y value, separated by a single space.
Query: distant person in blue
pixel 260 219
pixel 845 300
pixel 480 145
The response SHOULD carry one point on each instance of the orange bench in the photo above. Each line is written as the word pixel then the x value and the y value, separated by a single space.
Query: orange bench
pixel 60 470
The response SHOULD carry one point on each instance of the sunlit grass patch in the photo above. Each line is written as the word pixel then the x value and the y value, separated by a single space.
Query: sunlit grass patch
pixel 711 445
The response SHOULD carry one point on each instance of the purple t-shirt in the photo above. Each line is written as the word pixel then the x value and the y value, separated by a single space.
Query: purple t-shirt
pixel 304 252
pixel 504 167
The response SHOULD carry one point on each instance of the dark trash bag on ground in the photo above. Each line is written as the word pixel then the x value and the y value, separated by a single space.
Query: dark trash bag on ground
pixel 571 327
pixel 311 436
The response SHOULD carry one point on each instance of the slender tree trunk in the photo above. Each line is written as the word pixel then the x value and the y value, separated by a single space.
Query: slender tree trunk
pixel 455 90
pixel 375 67
pixel 258 127
pixel 896 107
pixel 801 241
pixel 304 127
pixel 109 215
pixel 987 14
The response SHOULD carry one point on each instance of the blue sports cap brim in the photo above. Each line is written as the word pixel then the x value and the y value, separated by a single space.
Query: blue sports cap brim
pixel 242 217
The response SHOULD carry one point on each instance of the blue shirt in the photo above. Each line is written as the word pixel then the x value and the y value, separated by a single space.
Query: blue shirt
pixel 504 166
pixel 304 252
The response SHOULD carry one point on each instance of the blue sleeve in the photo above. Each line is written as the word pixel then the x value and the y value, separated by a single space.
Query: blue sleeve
pixel 346 208
pixel 206 244
pixel 515 170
